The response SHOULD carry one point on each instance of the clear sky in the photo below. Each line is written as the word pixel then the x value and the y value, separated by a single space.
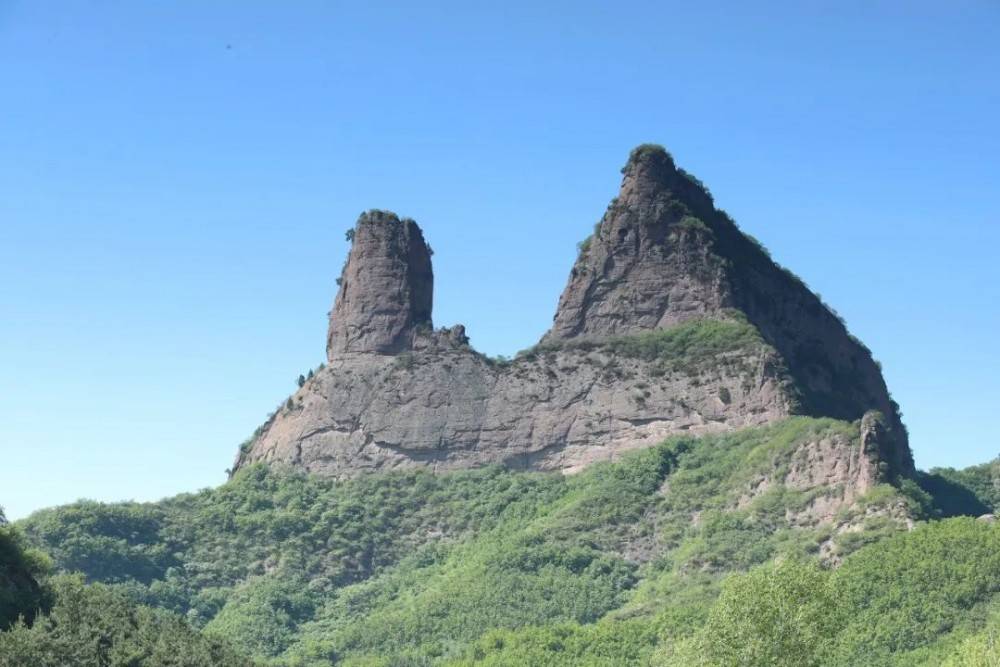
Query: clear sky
pixel 176 179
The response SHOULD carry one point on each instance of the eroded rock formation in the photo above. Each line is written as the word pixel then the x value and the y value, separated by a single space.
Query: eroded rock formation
pixel 673 321
pixel 386 288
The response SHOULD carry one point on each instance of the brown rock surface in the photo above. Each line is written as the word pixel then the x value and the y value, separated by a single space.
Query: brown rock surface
pixel 386 288
pixel 672 321
pixel 448 407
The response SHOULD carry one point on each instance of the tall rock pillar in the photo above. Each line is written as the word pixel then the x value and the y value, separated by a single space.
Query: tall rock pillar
pixel 386 288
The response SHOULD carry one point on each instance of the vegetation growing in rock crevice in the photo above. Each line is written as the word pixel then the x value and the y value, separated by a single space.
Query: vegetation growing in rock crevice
pixel 688 345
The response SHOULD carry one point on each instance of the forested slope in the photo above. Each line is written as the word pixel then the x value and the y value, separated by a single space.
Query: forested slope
pixel 620 564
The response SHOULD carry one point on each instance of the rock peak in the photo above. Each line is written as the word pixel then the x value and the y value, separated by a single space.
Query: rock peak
pixel 649 157
pixel 651 174
pixel 649 263
pixel 386 287
pixel 738 341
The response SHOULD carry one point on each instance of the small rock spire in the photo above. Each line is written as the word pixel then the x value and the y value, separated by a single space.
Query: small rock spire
pixel 386 288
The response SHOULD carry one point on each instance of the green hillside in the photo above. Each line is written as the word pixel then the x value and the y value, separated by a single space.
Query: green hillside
pixel 20 594
pixel 621 564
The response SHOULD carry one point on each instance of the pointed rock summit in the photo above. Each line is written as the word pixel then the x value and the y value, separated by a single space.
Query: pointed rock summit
pixel 663 254
pixel 672 322
pixel 386 288
pixel 649 263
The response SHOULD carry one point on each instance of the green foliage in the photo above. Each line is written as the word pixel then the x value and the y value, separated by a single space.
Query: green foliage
pixel 646 151
pixel 263 614
pixel 621 564
pixel 565 645
pixel 971 491
pixel 690 341
pixel 111 543
pixel 684 347
pixel 20 595
pixel 980 650
pixel 786 614
pixel 910 589
pixel 763 249
pixel 921 502
pixel 893 603
pixel 96 626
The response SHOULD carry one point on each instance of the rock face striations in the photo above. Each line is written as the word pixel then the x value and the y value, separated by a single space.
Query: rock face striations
pixel 673 321
pixel 651 261
pixel 386 288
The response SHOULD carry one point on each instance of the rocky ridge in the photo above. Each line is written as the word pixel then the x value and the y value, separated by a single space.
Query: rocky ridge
pixel 673 321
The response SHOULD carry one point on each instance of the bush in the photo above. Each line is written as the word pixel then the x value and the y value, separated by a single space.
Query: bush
pixel 95 625
pixel 784 614
pixel 20 594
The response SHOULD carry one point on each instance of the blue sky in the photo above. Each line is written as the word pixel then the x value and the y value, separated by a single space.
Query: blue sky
pixel 176 179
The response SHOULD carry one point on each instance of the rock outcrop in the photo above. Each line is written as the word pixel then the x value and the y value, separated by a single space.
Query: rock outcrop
pixel 386 288
pixel 673 321
pixel 663 254
pixel 650 263
pixel 838 466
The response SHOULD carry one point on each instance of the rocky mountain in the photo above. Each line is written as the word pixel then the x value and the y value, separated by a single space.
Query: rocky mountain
pixel 734 447
pixel 673 321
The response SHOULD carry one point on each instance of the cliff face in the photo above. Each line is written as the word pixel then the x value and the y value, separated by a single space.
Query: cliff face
pixel 445 406
pixel 386 288
pixel 672 322
pixel 650 263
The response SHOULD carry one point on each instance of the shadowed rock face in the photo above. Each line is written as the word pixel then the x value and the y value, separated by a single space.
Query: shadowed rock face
pixel 386 288
pixel 672 321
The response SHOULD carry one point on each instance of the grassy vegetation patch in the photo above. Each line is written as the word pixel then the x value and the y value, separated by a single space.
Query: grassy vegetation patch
pixel 688 346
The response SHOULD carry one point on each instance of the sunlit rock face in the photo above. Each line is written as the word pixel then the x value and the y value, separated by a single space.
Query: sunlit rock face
pixel 386 288
pixel 672 321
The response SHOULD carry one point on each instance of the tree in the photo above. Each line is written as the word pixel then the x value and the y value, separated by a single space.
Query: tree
pixel 302 379
pixel 784 614
pixel 96 625
pixel 20 567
